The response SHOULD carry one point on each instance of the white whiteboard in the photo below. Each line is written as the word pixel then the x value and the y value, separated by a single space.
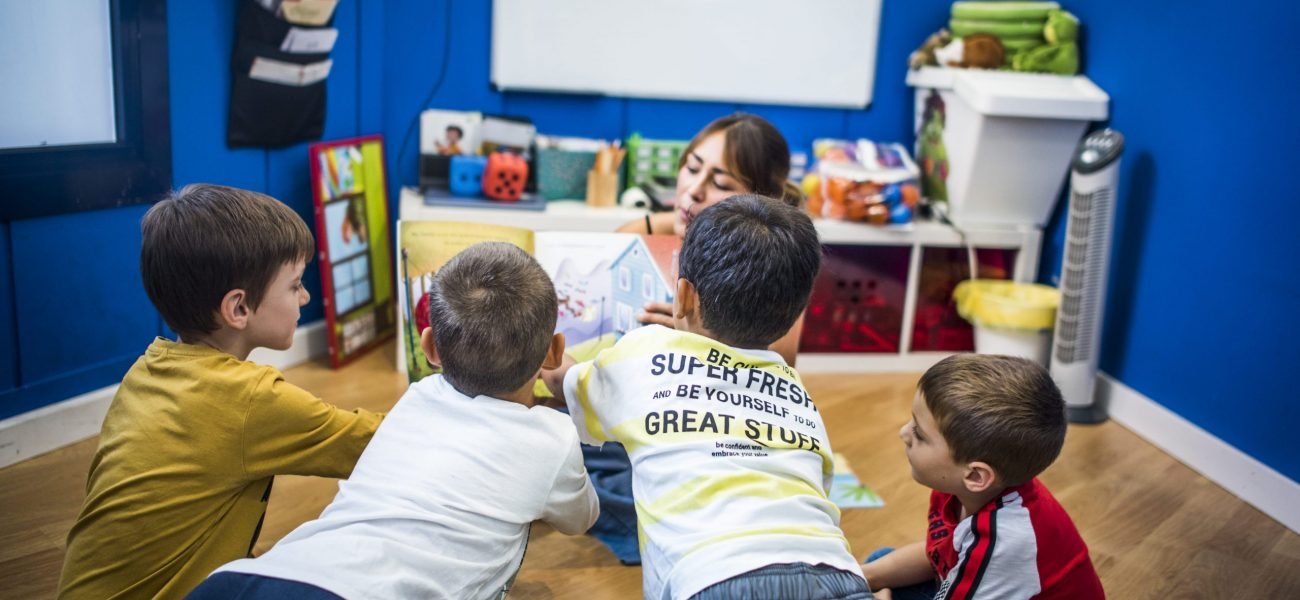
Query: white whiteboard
pixel 797 52
pixel 58 73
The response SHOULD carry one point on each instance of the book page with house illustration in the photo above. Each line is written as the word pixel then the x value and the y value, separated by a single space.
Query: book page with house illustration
pixel 602 280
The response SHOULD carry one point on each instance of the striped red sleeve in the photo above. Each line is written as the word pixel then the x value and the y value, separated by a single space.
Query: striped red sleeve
pixel 974 563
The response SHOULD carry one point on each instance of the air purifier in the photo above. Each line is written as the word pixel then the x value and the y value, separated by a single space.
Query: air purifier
pixel 1086 255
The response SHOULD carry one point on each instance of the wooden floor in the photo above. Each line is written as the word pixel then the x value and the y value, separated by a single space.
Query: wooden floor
pixel 1156 529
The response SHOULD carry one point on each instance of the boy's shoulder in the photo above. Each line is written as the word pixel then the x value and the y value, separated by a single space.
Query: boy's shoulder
pixel 649 340
pixel 1032 499
pixel 1022 540
pixel 434 402
pixel 169 367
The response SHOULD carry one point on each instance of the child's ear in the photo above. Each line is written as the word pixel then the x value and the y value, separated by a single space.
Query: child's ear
pixel 554 354
pixel 430 349
pixel 979 477
pixel 686 303
pixel 233 311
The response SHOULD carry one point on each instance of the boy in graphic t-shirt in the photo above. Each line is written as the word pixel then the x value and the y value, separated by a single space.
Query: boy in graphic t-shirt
pixel 730 459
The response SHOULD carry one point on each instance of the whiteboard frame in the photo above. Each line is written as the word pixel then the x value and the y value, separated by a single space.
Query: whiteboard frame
pixel 589 47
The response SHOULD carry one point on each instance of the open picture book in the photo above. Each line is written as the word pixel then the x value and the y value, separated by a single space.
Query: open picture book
pixel 602 280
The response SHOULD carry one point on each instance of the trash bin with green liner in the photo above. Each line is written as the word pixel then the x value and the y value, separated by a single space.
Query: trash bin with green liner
pixel 1010 318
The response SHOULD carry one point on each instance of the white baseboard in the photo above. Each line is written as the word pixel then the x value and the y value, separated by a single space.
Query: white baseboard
pixel 1254 482
pixel 69 421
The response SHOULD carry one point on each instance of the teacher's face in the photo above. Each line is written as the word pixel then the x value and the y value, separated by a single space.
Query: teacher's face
pixel 704 181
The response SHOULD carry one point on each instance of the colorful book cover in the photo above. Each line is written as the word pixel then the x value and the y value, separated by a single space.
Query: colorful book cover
pixel 601 279
pixel 847 491
pixel 354 243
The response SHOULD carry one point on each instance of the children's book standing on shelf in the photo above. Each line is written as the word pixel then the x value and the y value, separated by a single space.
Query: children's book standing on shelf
pixel 602 280
pixel 356 259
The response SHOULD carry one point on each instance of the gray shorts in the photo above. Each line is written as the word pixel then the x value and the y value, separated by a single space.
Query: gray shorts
pixel 790 581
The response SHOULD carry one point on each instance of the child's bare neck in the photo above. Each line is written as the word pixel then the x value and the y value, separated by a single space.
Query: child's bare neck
pixel 222 340
pixel 971 503
pixel 523 395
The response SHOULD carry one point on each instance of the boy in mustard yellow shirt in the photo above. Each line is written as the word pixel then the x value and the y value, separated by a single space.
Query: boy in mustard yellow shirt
pixel 196 433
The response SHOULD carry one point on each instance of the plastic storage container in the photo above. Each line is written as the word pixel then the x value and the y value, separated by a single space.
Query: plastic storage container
pixel 1010 318
pixel 997 145
pixel 562 174
pixel 648 159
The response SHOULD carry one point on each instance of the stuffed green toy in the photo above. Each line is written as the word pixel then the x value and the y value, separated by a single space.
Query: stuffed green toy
pixel 1060 55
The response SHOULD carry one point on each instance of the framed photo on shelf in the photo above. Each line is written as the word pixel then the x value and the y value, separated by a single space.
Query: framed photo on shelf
pixel 349 189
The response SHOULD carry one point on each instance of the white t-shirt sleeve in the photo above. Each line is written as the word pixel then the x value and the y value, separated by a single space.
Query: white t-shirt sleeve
pixel 571 507
pixel 586 397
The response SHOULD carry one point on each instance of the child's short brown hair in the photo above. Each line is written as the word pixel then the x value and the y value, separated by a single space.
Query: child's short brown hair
pixel 1002 410
pixel 493 311
pixel 204 240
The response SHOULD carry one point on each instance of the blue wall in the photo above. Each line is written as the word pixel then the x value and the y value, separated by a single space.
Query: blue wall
pixel 1203 292
pixel 1203 313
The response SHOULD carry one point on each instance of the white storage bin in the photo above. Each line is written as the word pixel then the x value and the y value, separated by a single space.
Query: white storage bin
pixel 997 145
pixel 1033 345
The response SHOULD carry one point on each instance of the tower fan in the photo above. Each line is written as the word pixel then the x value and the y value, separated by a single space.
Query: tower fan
pixel 1075 349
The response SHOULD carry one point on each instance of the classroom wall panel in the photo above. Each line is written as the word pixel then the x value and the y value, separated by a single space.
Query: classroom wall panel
pixel 1204 303
pixel 672 119
pixel 371 21
pixel 200 36
pixel 801 125
pixel 583 116
pixel 8 331
pixel 79 301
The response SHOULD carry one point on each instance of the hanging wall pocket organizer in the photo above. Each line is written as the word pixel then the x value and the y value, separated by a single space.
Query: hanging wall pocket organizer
pixel 278 72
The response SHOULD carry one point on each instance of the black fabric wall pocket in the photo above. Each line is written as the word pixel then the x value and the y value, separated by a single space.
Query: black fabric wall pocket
pixel 270 114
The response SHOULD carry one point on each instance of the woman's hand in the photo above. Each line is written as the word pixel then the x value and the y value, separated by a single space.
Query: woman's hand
pixel 657 313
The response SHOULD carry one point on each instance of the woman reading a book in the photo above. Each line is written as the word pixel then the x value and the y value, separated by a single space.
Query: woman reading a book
pixel 736 154
pixel 740 153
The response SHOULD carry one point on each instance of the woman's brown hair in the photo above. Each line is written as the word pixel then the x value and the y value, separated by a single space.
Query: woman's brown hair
pixel 755 153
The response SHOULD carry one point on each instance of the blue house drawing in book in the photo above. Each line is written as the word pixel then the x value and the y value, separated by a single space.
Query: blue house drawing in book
pixel 646 271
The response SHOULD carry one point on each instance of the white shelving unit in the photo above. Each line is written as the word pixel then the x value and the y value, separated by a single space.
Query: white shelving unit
pixel 577 216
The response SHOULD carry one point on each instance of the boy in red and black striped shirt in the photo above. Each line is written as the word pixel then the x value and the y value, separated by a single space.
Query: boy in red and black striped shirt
pixel 983 427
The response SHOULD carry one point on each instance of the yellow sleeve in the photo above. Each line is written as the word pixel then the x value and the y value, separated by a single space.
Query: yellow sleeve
pixel 289 431
pixel 584 395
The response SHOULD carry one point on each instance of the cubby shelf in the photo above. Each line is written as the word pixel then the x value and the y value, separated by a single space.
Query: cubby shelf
pixel 888 284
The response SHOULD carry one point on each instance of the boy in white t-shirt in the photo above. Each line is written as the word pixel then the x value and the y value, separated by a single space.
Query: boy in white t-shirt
pixel 730 460
pixel 439 504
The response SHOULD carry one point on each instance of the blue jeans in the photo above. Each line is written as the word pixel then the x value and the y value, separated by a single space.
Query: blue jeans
pixel 228 585
pixel 610 470
pixel 920 591
pixel 790 580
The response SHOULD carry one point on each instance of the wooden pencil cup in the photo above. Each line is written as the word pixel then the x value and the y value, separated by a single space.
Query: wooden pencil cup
pixel 602 188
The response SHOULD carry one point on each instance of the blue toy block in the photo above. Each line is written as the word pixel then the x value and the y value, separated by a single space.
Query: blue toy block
pixel 893 194
pixel 901 213
pixel 467 175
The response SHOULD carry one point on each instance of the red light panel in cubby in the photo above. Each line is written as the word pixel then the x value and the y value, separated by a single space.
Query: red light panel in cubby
pixel 857 300
pixel 937 326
